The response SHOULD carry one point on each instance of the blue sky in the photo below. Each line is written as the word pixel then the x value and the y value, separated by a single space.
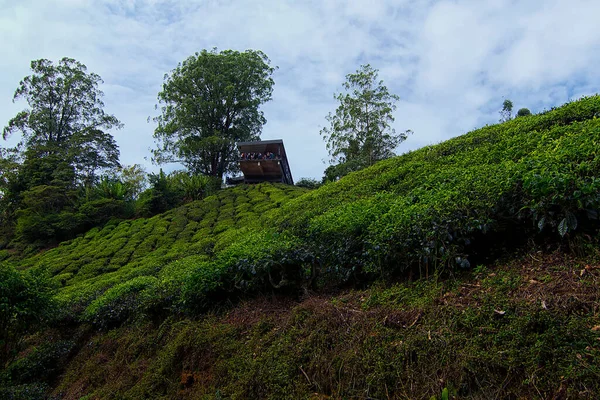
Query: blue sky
pixel 451 62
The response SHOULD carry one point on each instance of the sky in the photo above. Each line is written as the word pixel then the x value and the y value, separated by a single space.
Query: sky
pixel 451 62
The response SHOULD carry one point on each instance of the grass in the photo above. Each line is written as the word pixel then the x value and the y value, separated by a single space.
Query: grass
pixel 492 334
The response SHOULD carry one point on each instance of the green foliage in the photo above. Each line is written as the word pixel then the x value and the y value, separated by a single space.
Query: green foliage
pixel 66 116
pixel 455 345
pixel 62 150
pixel 43 363
pixel 523 112
pixel 134 178
pixel 254 261
pixel 210 102
pixel 120 302
pixel 161 196
pixel 195 187
pixel 168 191
pixel 308 183
pixel 506 112
pixel 430 210
pixel 360 131
pixel 32 391
pixel 435 206
pixel 86 267
pixel 25 305
pixel 45 213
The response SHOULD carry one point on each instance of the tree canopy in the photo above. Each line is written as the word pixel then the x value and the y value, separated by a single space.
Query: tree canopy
pixel 506 112
pixel 65 118
pixel 360 131
pixel 64 147
pixel 208 103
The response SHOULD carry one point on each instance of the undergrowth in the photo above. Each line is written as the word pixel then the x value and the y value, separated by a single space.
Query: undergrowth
pixel 501 333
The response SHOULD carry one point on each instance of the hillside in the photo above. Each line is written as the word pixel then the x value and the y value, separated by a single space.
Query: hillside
pixel 158 250
pixel 172 295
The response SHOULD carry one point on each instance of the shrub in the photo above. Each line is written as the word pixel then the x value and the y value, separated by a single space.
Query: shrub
pixel 32 391
pixel 438 205
pixel 308 183
pixel 119 303
pixel 25 305
pixel 43 363
pixel 258 260
pixel 523 112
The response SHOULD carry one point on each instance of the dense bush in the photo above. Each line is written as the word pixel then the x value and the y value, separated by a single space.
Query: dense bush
pixel 43 363
pixel 25 305
pixel 442 206
pixel 486 333
pixel 120 302
pixel 88 266
pixel 31 391
pixel 258 260
pixel 438 207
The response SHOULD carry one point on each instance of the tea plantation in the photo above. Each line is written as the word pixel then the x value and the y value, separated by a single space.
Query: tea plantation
pixel 409 279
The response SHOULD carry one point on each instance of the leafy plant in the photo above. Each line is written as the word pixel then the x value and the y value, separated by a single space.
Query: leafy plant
pixel 200 127
pixel 119 303
pixel 360 131
pixel 25 305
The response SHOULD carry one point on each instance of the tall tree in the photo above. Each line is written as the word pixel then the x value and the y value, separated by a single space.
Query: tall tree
pixel 65 118
pixel 135 179
pixel 506 112
pixel 208 103
pixel 64 145
pixel 360 131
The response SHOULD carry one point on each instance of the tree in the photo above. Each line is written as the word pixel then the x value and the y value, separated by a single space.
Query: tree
pixel 360 131
pixel 64 144
pixel 65 118
pixel 308 183
pixel 10 187
pixel 135 179
pixel 523 112
pixel 506 112
pixel 208 103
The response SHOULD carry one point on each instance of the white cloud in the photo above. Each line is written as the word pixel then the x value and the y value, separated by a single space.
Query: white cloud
pixel 451 62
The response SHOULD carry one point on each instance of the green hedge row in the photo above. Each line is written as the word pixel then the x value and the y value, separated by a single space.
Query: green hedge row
pixel 431 208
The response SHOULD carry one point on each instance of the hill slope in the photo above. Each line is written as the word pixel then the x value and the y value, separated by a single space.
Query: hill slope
pixel 527 328
pixel 442 209
pixel 165 246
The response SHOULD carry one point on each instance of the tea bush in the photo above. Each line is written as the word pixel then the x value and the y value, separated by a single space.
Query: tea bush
pixel 438 207
pixel 120 302
pixel 88 266
pixel 431 210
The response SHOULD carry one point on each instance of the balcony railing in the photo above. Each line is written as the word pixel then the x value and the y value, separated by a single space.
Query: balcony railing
pixel 258 156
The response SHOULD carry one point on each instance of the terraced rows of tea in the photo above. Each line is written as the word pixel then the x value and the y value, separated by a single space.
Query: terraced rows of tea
pixel 439 205
pixel 142 287
pixel 87 266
